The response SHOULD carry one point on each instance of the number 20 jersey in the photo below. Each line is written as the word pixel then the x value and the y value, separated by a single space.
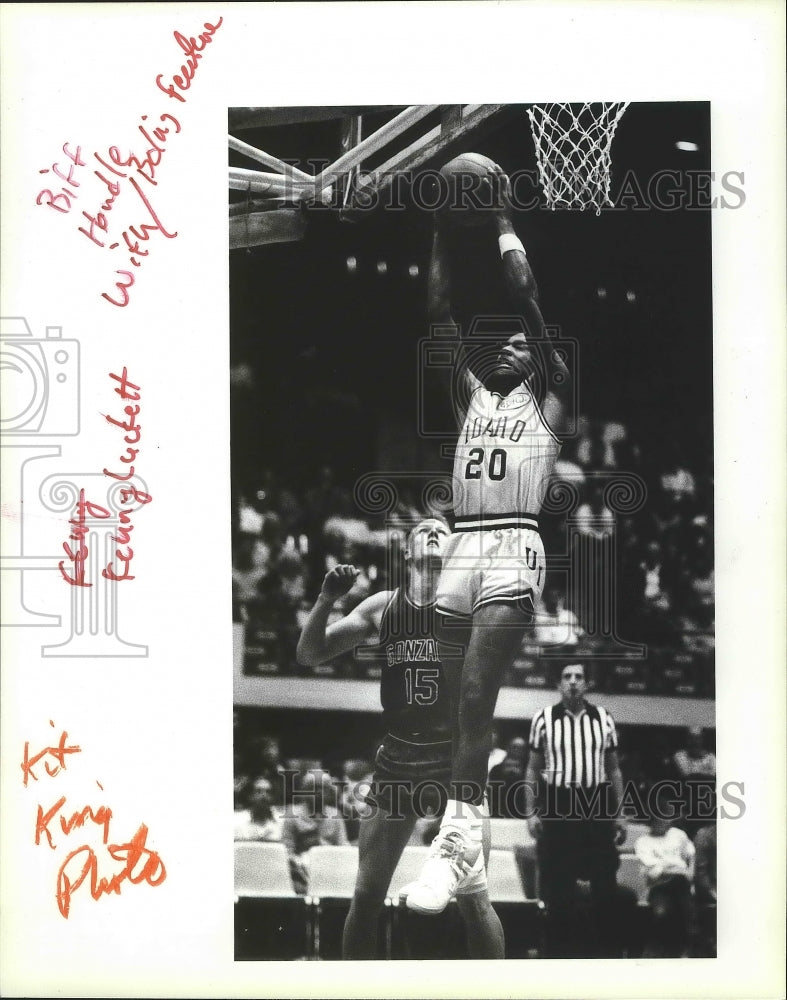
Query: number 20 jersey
pixel 504 457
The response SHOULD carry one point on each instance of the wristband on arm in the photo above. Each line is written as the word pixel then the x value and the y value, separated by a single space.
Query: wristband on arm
pixel 509 241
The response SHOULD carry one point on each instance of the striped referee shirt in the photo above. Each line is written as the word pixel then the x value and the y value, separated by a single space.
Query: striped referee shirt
pixel 573 745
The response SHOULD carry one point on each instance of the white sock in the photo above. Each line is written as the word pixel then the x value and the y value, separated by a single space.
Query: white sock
pixel 464 815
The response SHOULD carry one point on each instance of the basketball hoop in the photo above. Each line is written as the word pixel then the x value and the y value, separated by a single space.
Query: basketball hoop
pixel 573 143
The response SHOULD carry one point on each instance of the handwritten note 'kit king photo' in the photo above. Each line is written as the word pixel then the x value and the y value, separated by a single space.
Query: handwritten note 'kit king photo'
pixel 368 499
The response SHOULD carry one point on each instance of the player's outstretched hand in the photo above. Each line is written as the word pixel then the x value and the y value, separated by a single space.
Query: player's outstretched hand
pixel 498 190
pixel 339 581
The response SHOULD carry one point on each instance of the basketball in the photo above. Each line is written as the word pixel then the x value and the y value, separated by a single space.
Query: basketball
pixel 468 163
pixel 467 200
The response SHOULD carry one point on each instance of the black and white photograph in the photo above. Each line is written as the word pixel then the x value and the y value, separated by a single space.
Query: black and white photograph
pixel 393 500
pixel 473 530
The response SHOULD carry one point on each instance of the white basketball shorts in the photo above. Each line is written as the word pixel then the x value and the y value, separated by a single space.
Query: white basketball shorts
pixel 491 565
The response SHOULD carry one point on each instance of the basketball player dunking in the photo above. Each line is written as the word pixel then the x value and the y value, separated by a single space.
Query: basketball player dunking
pixel 494 565
pixel 414 759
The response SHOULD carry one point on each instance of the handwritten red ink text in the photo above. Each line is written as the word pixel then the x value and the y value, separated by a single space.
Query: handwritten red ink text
pixel 58 752
pixel 145 167
pixel 193 48
pixel 127 390
pixel 119 169
pixel 141 865
pixel 131 499
pixel 100 816
pixel 139 862
pixel 61 202
pixel 135 248
pixel 79 554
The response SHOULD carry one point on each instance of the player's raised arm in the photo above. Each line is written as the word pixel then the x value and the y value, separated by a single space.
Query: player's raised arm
pixel 439 281
pixel 523 293
pixel 319 641
pixel 439 311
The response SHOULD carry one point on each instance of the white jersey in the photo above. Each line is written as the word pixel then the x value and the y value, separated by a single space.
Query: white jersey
pixel 504 458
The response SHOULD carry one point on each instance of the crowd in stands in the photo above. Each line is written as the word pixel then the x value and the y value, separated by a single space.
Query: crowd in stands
pixel 658 549
pixel 264 779
pixel 302 803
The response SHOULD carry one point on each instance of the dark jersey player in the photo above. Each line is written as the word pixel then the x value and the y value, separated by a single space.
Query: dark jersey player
pixel 414 759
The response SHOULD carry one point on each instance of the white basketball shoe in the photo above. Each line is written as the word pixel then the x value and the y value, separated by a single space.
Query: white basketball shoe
pixel 453 858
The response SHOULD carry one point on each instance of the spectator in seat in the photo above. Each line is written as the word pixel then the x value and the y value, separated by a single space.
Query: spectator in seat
pixel 588 449
pixel 497 754
pixel 241 784
pixel 310 820
pixel 356 780
pixel 698 591
pixel 240 765
pixel 656 577
pixel 622 452
pixel 275 499
pixel 506 792
pixel 263 760
pixel 556 623
pixel 651 618
pixel 667 857
pixel 696 767
pixel 693 760
pixel 593 517
pixel 259 820
pixel 249 568
pixel 677 479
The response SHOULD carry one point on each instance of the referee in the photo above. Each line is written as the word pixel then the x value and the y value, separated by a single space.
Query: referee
pixel 573 790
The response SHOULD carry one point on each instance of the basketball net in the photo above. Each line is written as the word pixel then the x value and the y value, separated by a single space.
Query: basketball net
pixel 573 143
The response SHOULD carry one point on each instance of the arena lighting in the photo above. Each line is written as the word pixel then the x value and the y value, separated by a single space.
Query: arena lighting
pixel 631 296
pixel 413 270
pixel 382 267
pixel 352 265
pixel 601 292
pixel 685 146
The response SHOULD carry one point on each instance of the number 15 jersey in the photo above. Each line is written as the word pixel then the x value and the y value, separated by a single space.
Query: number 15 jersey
pixel 414 690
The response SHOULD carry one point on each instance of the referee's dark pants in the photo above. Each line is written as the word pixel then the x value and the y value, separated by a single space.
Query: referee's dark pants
pixel 577 848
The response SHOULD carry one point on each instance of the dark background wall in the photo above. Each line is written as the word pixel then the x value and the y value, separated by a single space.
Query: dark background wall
pixel 335 354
